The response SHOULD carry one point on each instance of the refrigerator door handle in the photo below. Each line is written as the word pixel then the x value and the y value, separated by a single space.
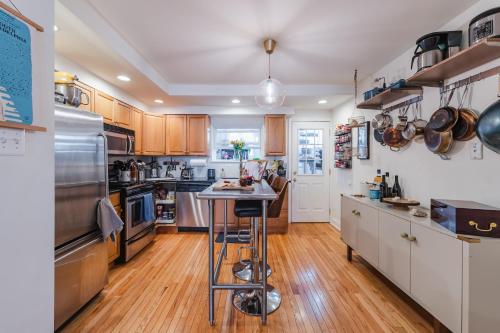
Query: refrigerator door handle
pixel 105 140
pixel 78 249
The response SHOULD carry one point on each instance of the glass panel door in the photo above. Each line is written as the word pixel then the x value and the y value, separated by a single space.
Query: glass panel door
pixel 310 152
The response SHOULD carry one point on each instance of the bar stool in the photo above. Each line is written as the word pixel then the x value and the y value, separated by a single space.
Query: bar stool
pixel 243 270
pixel 249 301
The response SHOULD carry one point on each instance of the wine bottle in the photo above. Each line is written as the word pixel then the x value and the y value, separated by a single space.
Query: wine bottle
pixel 396 189
pixel 388 188
pixel 383 188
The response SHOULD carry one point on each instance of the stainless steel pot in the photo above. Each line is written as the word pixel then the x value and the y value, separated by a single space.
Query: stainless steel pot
pixel 427 59
pixel 72 94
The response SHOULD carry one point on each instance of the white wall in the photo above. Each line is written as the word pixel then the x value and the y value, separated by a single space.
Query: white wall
pixel 424 175
pixel 27 199
pixel 64 64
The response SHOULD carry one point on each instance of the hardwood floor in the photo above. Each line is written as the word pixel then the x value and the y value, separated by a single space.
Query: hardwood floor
pixel 164 289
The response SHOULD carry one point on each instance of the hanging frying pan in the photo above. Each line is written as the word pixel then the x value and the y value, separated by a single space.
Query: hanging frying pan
pixel 394 138
pixel 438 142
pixel 443 119
pixel 465 128
pixel 488 127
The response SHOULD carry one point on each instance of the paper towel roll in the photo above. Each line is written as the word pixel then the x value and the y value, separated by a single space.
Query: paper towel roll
pixel 198 162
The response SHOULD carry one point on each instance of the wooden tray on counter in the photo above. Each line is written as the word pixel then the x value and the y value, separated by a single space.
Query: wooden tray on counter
pixel 401 202
pixel 231 186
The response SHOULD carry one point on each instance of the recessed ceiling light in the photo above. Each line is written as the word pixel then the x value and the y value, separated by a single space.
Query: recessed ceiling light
pixel 159 101
pixel 56 28
pixel 322 101
pixel 236 101
pixel 123 78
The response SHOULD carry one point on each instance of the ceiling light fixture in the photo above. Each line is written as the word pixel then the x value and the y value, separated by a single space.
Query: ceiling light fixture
pixel 123 78
pixel 159 101
pixel 270 92
pixel 236 101
pixel 322 101
pixel 56 28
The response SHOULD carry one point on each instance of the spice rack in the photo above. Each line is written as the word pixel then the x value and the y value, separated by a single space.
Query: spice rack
pixel 343 147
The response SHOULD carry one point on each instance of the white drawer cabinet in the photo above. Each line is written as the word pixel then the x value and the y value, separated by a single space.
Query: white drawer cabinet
pixel 454 278
pixel 394 249
pixel 368 233
pixel 436 275
pixel 349 221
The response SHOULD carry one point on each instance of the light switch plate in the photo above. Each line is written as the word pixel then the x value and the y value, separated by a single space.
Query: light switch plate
pixel 12 141
pixel 476 151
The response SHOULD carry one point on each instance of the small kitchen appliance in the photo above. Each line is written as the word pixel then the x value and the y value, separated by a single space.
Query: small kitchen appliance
pixel 484 25
pixel 435 47
pixel 121 141
pixel 466 217
pixel 211 174
pixel 187 173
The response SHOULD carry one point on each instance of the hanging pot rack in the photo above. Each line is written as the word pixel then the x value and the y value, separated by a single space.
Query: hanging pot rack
pixel 470 79
pixel 404 104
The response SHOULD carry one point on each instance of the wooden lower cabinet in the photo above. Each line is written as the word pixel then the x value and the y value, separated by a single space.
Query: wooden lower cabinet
pixel 114 247
pixel 153 134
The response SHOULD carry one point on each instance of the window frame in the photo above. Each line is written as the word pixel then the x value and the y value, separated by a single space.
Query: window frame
pixel 213 145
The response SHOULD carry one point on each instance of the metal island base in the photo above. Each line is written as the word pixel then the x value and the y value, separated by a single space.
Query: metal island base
pixel 264 193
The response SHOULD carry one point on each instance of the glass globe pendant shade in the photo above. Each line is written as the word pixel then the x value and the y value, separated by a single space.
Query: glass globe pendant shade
pixel 270 94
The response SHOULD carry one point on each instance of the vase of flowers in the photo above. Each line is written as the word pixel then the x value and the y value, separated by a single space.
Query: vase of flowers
pixel 238 146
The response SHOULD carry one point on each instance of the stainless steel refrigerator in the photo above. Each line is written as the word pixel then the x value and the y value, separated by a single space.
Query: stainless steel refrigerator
pixel 81 267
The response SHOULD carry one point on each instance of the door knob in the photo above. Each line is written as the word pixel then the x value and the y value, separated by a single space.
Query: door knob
pixel 294 179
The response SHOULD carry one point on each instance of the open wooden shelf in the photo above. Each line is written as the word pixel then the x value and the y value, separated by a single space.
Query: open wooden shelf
pixel 9 124
pixel 472 57
pixel 388 96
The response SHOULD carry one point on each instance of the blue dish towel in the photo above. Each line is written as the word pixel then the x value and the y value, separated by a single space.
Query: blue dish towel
pixel 148 212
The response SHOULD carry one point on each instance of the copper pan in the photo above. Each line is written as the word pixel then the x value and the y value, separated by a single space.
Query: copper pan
pixel 394 138
pixel 465 128
pixel 438 142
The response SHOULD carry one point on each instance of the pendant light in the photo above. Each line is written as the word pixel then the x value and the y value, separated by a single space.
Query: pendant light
pixel 270 92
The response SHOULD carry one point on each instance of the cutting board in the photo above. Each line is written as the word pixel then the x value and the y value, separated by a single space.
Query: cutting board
pixel 232 186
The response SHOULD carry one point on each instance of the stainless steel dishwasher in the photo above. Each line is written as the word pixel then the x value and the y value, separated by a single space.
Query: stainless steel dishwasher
pixel 191 213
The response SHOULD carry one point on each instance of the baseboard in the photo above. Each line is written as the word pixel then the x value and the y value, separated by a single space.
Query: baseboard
pixel 335 223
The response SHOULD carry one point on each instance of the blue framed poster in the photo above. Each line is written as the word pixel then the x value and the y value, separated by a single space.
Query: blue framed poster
pixel 15 70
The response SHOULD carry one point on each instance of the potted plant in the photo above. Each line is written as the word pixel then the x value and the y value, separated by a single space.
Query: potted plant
pixel 238 146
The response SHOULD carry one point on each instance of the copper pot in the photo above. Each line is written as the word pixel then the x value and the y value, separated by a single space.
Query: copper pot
pixel 465 128
pixel 394 138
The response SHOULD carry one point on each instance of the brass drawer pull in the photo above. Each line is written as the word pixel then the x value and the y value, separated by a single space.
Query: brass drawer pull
pixel 412 238
pixel 476 225
pixel 404 235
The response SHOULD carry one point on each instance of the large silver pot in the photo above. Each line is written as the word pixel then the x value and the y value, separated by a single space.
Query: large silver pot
pixel 72 94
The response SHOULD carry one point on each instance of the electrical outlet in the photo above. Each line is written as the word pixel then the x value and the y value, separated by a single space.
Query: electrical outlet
pixel 12 141
pixel 476 151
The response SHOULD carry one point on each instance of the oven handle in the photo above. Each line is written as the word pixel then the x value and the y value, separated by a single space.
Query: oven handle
pixel 105 140
pixel 129 145
pixel 133 240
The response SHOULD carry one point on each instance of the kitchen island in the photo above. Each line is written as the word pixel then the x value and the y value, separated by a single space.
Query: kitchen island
pixel 261 192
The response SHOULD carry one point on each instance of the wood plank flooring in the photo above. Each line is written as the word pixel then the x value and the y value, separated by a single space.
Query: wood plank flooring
pixel 164 289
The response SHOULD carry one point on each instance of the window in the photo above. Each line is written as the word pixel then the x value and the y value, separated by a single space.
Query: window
pixel 222 149
pixel 310 152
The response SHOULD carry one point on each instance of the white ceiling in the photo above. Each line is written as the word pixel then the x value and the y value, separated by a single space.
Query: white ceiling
pixel 218 42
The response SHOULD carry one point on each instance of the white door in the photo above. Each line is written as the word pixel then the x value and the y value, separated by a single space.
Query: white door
pixel 310 166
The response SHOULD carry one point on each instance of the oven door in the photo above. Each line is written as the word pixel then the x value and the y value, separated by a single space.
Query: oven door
pixel 118 143
pixel 134 215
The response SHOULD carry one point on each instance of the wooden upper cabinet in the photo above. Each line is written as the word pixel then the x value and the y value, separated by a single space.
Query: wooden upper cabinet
pixel 136 125
pixel 89 97
pixel 197 134
pixel 153 134
pixel 176 138
pixel 275 135
pixel 104 106
pixel 122 114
